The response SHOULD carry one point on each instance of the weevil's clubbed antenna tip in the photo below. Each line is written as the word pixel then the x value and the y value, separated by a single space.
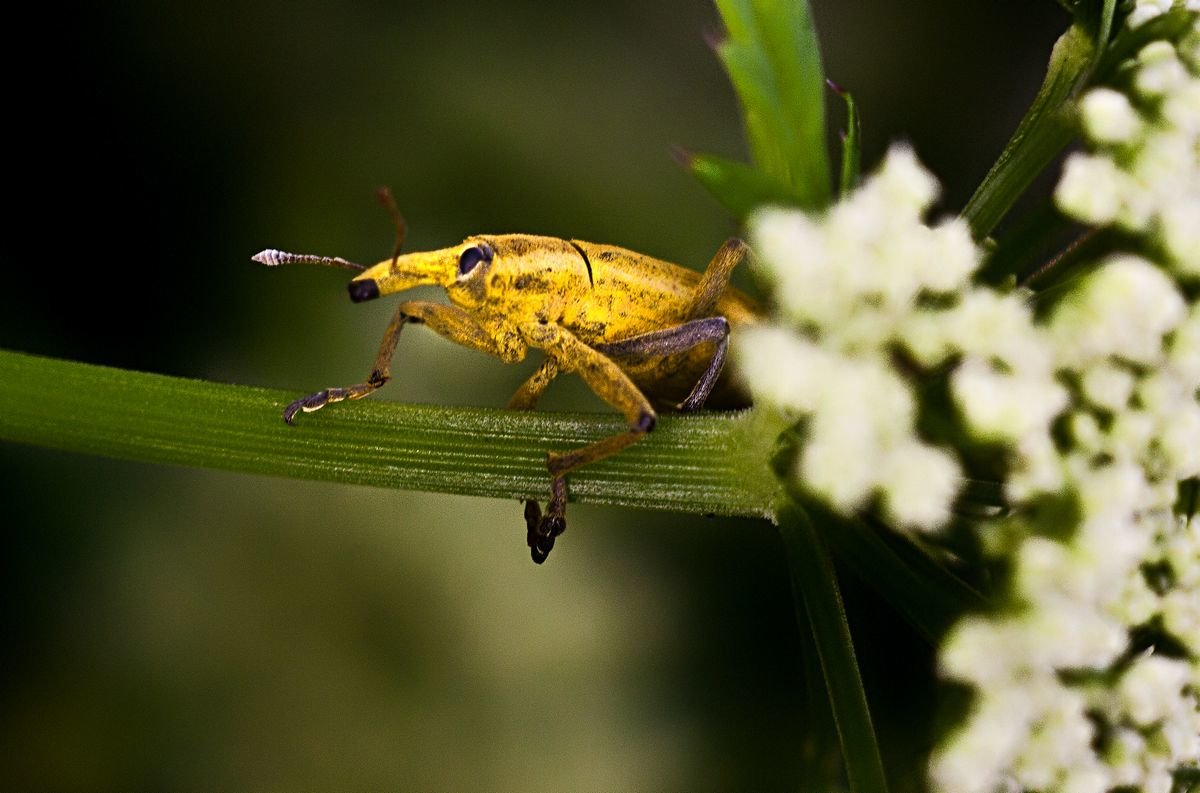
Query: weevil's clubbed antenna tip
pixel 270 257
pixel 274 258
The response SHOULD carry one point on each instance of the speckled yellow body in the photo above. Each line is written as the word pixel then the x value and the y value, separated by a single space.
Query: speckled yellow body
pixel 600 293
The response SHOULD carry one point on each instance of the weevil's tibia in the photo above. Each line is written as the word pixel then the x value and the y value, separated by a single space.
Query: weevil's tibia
pixel 274 258
pixel 715 281
pixel 681 338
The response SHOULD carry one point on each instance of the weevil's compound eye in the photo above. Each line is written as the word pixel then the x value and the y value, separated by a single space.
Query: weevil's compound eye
pixel 471 257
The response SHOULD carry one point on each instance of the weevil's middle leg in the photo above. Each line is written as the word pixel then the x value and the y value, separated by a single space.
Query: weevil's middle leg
pixel 449 321
pixel 527 396
pixel 564 351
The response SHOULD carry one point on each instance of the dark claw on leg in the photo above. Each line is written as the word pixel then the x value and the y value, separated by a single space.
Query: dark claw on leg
pixel 307 404
pixel 541 530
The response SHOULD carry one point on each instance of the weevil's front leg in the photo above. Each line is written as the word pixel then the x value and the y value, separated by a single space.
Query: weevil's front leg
pixel 716 277
pixel 612 385
pixel 681 338
pixel 448 321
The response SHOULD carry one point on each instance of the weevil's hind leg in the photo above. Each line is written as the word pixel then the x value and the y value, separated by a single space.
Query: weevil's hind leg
pixel 449 321
pixel 716 277
pixel 681 338
pixel 606 379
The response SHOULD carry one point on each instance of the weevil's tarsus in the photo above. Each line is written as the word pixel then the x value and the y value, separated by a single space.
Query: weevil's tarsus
pixel 274 258
pixel 542 530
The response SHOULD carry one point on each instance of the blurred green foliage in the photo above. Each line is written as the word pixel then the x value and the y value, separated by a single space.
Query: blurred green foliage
pixel 193 629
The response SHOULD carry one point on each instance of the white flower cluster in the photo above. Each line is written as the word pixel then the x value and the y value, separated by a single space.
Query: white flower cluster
pixel 1144 174
pixel 1096 403
pixel 846 284
pixel 1066 701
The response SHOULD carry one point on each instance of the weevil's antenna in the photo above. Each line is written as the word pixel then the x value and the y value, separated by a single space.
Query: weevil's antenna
pixel 274 258
pixel 384 194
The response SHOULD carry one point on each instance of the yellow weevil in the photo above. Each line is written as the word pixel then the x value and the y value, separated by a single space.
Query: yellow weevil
pixel 633 327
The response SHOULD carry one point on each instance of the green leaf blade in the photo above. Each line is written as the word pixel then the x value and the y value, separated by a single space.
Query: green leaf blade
pixel 698 463
pixel 818 604
pixel 740 188
pixel 773 60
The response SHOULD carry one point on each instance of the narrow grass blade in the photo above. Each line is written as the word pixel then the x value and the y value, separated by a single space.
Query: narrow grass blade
pixel 819 606
pixel 706 463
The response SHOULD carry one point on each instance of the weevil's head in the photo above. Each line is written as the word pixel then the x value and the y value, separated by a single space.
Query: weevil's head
pixel 455 269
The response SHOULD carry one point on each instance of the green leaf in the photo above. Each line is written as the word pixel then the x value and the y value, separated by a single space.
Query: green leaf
pixel 851 143
pixel 774 62
pixel 1047 126
pixel 703 463
pixel 818 603
pixel 1041 135
pixel 739 187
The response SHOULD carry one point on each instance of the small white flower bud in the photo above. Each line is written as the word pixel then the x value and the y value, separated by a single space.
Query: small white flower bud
pixel 1151 689
pixel 905 181
pixel 1108 386
pixel 1108 116
pixel 1159 69
pixel 1145 10
pixel 1123 309
pixel 1090 189
pixel 919 483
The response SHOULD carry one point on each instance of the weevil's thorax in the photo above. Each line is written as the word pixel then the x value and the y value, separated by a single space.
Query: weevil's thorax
pixel 527 279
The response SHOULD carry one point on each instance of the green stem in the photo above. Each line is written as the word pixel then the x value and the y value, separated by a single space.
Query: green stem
pixel 819 605
pixel 1087 54
pixel 708 463
pixel 1041 135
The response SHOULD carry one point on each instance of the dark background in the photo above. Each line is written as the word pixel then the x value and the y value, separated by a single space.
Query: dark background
pixel 194 629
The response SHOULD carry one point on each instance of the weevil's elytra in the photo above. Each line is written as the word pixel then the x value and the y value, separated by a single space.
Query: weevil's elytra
pixel 639 331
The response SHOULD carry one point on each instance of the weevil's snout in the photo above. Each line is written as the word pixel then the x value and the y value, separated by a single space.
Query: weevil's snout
pixel 429 268
pixel 363 290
